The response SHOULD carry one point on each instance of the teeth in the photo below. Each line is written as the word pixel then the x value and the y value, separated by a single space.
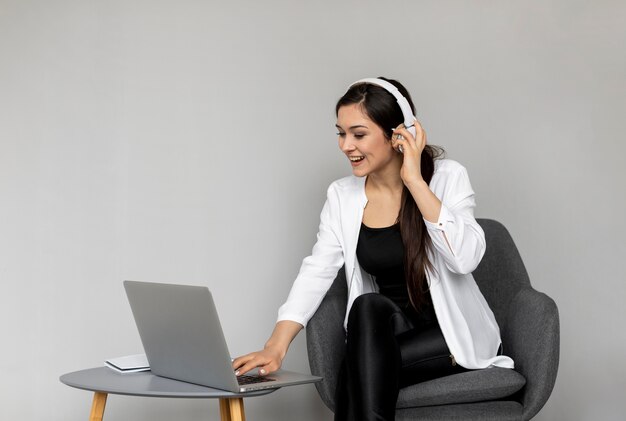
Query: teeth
pixel 356 158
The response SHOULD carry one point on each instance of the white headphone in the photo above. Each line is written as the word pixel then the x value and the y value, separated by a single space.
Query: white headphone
pixel 409 118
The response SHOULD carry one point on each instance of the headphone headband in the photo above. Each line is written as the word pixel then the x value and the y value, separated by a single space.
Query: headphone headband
pixel 409 118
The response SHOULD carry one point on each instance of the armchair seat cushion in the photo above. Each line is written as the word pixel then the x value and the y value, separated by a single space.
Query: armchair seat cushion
pixel 472 386
pixel 483 411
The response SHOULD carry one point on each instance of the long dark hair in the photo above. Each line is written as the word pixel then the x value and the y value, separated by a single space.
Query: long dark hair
pixel 382 108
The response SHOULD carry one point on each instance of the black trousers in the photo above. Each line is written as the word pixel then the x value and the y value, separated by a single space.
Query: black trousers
pixel 386 352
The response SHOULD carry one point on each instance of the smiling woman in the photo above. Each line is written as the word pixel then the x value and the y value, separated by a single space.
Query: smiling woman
pixel 403 226
pixel 365 110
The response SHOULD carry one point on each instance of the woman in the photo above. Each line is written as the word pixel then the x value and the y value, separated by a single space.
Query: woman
pixel 403 225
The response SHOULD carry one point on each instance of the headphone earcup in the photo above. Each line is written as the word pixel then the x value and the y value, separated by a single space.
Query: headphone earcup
pixel 412 130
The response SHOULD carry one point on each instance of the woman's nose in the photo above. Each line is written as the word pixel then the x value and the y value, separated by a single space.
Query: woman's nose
pixel 347 145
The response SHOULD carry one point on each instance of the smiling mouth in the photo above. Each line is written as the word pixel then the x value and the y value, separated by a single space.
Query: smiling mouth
pixel 356 158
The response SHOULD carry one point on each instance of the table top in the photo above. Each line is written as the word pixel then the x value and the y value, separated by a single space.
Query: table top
pixel 104 379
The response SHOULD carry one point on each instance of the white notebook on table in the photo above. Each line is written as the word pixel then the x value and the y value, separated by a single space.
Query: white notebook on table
pixel 129 363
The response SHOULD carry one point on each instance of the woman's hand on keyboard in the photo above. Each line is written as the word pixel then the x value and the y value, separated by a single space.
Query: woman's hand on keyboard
pixel 271 357
pixel 267 360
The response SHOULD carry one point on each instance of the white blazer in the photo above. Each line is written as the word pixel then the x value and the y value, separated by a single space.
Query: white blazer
pixel 468 324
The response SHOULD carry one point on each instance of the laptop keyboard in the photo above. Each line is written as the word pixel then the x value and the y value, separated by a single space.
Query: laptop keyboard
pixel 243 380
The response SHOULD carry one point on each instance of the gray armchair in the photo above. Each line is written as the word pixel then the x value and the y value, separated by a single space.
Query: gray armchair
pixel 529 324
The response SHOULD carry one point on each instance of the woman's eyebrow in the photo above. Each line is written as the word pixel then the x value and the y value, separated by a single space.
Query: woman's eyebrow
pixel 353 127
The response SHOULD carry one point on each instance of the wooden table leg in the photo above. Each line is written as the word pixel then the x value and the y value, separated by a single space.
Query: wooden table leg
pixel 231 409
pixel 224 410
pixel 97 407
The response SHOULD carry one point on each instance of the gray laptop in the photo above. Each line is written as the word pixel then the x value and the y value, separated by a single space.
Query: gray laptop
pixel 183 339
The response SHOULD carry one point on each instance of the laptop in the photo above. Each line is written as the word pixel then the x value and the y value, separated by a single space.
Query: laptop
pixel 183 339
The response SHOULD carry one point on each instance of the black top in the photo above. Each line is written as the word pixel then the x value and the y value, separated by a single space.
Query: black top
pixel 380 252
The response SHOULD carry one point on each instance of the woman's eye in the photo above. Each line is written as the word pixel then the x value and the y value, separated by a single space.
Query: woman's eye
pixel 356 135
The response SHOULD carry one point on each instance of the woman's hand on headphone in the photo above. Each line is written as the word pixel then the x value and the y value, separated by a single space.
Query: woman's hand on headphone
pixel 412 147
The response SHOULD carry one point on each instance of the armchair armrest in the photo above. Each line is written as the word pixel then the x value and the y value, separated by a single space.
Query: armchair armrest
pixel 326 339
pixel 532 339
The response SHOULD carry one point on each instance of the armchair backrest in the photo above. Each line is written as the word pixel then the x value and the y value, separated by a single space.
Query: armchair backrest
pixel 501 273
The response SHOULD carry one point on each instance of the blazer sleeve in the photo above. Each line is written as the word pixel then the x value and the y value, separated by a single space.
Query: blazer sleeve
pixel 456 235
pixel 319 270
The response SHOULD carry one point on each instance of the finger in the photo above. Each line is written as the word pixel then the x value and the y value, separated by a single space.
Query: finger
pixel 248 362
pixel 419 141
pixel 398 128
pixel 419 129
pixel 249 366
pixel 406 136
pixel 239 361
pixel 420 135
pixel 268 368
pixel 418 126
pixel 397 143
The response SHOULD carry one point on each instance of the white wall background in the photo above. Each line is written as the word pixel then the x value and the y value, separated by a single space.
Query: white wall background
pixel 193 141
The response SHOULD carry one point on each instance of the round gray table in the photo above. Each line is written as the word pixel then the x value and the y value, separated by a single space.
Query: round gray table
pixel 103 380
